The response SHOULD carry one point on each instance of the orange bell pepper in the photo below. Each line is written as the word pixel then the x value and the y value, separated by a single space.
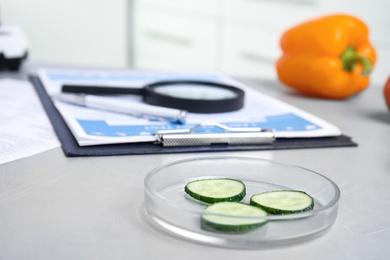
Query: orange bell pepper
pixel 328 57
pixel 386 91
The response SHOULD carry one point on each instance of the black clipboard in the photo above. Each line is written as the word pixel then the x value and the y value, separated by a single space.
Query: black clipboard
pixel 72 149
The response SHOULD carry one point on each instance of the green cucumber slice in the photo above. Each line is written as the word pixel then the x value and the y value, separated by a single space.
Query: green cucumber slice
pixel 283 201
pixel 242 219
pixel 216 190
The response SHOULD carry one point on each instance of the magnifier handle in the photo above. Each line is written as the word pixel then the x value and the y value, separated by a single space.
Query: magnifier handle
pixel 100 90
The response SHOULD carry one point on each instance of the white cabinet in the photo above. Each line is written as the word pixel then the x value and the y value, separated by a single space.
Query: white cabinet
pixel 173 40
pixel 238 37
pixel 277 14
pixel 252 30
pixel 248 50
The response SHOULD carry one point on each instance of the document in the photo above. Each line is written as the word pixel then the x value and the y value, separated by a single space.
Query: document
pixel 25 129
pixel 97 127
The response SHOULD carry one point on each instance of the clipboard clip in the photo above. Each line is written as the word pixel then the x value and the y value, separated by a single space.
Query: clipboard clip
pixel 230 136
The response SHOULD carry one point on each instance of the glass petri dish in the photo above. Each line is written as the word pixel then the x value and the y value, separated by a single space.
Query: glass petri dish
pixel 172 211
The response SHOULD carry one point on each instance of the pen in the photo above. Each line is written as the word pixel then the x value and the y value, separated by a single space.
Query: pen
pixel 126 107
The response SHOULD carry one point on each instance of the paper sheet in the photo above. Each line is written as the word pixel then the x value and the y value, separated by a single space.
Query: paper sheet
pixel 25 129
pixel 94 127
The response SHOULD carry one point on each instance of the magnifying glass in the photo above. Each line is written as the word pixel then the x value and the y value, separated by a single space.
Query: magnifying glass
pixel 190 95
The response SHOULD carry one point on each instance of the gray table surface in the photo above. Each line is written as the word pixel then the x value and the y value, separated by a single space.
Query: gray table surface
pixel 54 207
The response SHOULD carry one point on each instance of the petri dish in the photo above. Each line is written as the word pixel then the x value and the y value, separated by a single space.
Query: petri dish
pixel 173 212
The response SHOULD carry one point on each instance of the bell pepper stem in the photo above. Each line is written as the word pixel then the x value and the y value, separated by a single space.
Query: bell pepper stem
pixel 351 58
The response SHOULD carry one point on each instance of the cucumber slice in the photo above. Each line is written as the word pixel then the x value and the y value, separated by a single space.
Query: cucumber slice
pixel 283 201
pixel 216 190
pixel 240 220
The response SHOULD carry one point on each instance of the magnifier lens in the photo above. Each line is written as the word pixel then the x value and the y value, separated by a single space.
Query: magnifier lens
pixel 195 96
pixel 195 92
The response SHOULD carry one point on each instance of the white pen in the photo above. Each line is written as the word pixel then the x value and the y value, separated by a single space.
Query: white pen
pixel 127 107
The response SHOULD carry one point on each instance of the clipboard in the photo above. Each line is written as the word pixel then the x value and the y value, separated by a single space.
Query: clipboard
pixel 72 149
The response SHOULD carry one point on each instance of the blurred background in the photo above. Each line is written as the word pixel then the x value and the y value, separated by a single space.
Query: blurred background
pixel 237 37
